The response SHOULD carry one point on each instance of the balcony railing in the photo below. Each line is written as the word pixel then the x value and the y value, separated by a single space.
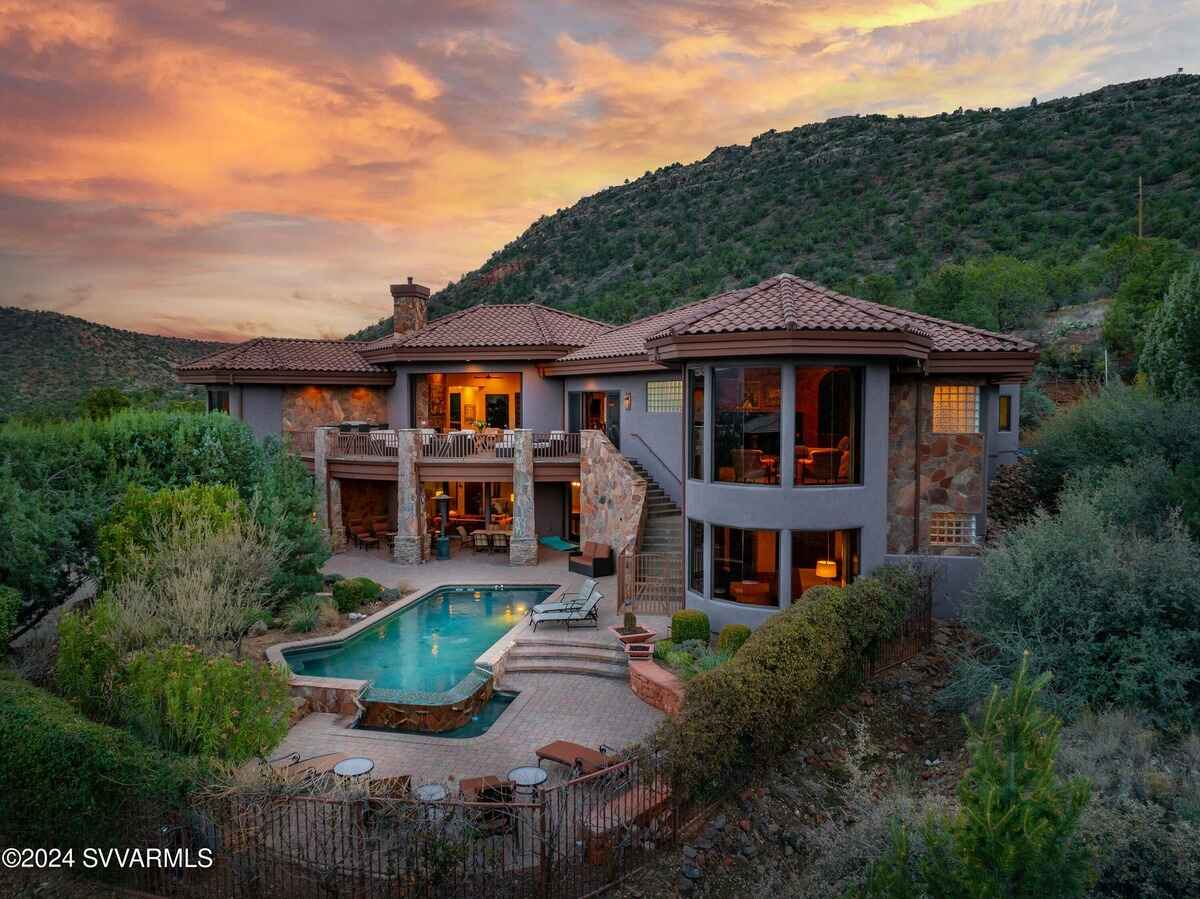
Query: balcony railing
pixel 466 446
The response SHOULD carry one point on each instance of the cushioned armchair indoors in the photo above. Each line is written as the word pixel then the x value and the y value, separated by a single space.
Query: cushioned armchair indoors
pixel 596 560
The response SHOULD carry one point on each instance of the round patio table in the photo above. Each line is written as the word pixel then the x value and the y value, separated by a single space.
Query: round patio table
pixel 356 766
pixel 432 793
pixel 526 779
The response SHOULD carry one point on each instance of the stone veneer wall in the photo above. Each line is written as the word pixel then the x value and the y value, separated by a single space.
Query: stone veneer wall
pixel 611 494
pixel 522 545
pixel 952 467
pixel 305 408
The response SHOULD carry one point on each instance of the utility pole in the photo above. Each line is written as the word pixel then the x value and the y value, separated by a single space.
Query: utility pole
pixel 1140 235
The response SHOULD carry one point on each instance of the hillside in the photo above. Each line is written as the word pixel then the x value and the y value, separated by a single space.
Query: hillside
pixel 862 195
pixel 49 362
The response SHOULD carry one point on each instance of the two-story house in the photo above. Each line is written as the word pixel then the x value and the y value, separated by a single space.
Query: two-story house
pixel 782 435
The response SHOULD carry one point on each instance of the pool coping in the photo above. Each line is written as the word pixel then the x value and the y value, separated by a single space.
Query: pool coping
pixel 491 661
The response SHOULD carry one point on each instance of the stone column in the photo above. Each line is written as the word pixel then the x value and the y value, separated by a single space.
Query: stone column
pixel 322 445
pixel 410 501
pixel 522 547
pixel 337 530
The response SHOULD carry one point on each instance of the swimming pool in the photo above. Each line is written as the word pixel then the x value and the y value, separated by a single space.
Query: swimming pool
pixel 428 647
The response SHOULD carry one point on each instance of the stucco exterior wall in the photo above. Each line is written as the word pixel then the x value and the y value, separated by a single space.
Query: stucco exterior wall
pixel 655 439
pixel 1002 445
pixel 262 409
pixel 308 407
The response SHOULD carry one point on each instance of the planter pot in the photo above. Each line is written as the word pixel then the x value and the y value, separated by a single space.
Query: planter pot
pixel 642 635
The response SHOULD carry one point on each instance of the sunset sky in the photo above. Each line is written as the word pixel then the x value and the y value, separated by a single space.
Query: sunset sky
pixel 226 168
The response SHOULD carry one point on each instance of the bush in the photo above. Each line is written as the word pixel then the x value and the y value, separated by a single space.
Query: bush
pixel 1016 832
pixel 135 527
pixel 1171 356
pixel 690 624
pixel 10 609
pixel 89 658
pixel 179 700
pixel 1113 611
pixel 349 595
pixel 197 585
pixel 732 637
pixel 284 504
pixel 303 614
pixel 65 780
pixel 799 663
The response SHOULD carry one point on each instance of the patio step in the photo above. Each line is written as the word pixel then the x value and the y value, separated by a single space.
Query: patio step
pixel 554 655
pixel 567 665
pixel 536 641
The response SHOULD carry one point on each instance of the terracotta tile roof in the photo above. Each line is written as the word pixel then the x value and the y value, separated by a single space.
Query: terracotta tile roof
pixel 788 303
pixel 500 325
pixel 286 354
pixel 630 339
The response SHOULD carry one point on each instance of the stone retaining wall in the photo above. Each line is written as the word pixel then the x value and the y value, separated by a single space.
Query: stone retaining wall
pixel 656 686
pixel 611 494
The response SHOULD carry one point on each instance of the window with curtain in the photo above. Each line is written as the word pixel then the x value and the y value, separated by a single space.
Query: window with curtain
pixel 956 409
pixel 696 556
pixel 745 566
pixel 746 425
pixel 828 447
pixel 696 392
pixel 823 558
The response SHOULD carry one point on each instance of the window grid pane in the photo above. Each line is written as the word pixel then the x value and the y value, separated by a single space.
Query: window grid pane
pixel 952 529
pixel 664 396
pixel 956 410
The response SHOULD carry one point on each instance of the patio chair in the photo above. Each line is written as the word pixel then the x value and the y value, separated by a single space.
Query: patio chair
pixel 569 600
pixel 586 615
pixel 596 560
pixel 463 537
pixel 580 759
pixel 488 799
pixel 499 543
pixel 481 541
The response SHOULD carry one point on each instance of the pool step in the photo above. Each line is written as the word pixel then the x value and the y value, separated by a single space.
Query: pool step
pixel 566 657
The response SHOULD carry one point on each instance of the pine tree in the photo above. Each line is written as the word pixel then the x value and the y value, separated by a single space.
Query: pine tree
pixel 1015 834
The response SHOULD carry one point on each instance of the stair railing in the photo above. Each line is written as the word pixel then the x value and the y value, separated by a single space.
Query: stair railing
pixel 665 467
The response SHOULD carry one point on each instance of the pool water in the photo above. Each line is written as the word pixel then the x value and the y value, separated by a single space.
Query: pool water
pixel 476 727
pixel 428 646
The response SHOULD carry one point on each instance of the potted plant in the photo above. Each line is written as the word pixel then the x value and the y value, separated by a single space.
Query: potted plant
pixel 632 632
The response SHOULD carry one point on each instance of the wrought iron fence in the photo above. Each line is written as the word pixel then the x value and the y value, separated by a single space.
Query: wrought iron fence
pixel 561 843
pixel 651 583
pixel 915 634
pixel 377 444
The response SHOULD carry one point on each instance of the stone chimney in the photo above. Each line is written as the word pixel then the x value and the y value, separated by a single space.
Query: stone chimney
pixel 409 306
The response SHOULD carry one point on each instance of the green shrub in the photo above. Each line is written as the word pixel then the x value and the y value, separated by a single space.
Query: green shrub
pixel 799 663
pixel 1171 354
pixel 662 648
pixel 10 609
pixel 332 578
pixel 1016 834
pixel 690 624
pixel 65 780
pixel 179 700
pixel 135 526
pixel 89 658
pixel 732 637
pixel 1113 611
pixel 303 615
pixel 351 594
pixel 284 503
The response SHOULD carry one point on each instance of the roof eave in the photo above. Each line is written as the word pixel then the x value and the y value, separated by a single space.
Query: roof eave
pixel 674 347
pixel 1010 365
pixel 603 365
pixel 235 376
pixel 403 354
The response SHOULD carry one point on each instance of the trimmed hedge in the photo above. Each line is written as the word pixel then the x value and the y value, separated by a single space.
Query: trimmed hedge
pixel 690 624
pixel 732 637
pixel 799 663
pixel 65 780
pixel 350 594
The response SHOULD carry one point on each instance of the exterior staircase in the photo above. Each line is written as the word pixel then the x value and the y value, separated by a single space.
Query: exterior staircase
pixel 559 656
pixel 664 519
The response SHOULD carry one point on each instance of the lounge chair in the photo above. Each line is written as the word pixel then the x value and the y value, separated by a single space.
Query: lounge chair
pixel 587 615
pixel 580 759
pixel 569 600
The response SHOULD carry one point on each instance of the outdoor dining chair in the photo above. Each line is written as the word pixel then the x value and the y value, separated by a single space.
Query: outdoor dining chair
pixel 481 541
pixel 499 543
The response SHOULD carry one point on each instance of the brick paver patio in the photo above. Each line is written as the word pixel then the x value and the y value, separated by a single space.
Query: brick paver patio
pixel 551 706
